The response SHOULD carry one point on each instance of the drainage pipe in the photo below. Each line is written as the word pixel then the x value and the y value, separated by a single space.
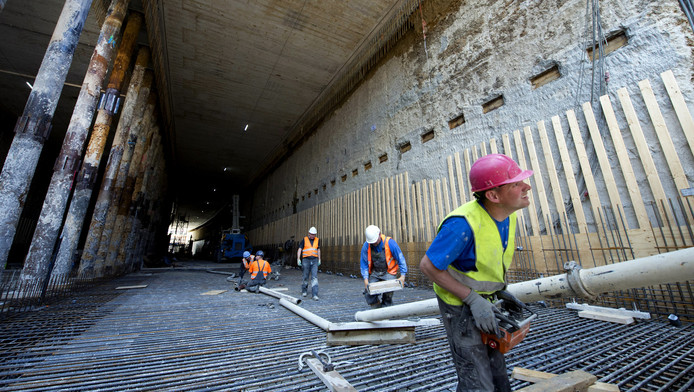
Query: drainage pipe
pixel 677 266
pixel 316 320
pixel 279 295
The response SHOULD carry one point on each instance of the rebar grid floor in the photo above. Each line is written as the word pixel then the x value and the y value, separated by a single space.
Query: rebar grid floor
pixel 169 336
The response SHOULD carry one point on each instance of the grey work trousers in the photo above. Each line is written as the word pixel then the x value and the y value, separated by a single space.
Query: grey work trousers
pixel 479 367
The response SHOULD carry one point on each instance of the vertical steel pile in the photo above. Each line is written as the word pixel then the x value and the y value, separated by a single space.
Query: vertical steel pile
pixel 34 126
pixel 133 102
pixel 86 178
pixel 37 261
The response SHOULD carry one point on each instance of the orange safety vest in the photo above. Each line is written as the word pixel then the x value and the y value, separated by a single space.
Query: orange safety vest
pixel 309 250
pixel 390 260
pixel 255 268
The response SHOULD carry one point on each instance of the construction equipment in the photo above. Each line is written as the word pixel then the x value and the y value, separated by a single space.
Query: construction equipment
pixel 384 286
pixel 233 243
pixel 513 323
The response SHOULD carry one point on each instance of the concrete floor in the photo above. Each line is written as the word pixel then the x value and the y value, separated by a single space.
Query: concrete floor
pixel 169 336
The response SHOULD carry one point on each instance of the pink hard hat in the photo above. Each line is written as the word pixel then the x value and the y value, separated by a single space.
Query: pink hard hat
pixel 494 170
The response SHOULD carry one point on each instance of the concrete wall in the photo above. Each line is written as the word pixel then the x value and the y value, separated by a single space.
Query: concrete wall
pixel 477 50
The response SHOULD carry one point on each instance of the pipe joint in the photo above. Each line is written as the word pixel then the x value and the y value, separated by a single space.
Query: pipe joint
pixel 573 277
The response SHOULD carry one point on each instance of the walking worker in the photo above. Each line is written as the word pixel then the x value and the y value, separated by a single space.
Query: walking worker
pixel 468 260
pixel 381 259
pixel 259 270
pixel 308 258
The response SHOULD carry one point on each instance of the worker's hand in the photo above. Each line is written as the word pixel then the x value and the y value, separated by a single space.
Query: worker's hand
pixel 402 280
pixel 483 312
pixel 318 261
pixel 298 261
pixel 366 284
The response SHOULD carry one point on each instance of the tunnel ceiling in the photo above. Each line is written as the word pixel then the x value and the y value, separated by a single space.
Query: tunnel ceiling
pixel 220 65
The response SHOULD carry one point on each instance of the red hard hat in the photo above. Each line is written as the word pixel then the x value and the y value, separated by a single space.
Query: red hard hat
pixel 494 170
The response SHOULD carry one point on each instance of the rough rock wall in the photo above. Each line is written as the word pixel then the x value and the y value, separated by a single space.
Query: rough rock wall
pixel 474 52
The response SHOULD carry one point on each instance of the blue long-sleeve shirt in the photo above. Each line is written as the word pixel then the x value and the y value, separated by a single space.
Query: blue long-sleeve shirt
pixel 394 250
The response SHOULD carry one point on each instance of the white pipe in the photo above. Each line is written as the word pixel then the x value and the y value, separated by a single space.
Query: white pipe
pixel 317 320
pixel 279 295
pixel 671 267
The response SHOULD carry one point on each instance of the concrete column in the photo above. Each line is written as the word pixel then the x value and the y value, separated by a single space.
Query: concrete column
pixel 86 178
pixel 34 126
pixel 132 102
pixel 152 219
pixel 116 250
pixel 37 261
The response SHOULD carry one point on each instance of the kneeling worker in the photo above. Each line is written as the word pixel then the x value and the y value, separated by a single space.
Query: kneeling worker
pixel 468 261
pixel 381 259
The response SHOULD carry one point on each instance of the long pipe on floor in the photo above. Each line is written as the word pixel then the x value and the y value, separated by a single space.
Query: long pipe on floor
pixel 316 320
pixel 279 295
pixel 677 266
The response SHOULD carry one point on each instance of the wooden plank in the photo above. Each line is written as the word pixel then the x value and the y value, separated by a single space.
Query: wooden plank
pixel 483 149
pixel 680 106
pixel 459 177
pixel 475 156
pixel 451 179
pixel 604 162
pixel 384 286
pixel 537 376
pixel 663 134
pixel 426 201
pixel 507 146
pixel 332 379
pixel 402 214
pixel 541 191
pixel 492 146
pixel 408 206
pixel 468 165
pixel 521 162
pixel 624 163
pixel 569 174
pixel 605 310
pixel 612 318
pixel 587 172
pixel 394 228
pixel 417 215
pixel 551 170
pixel 214 292
pixel 446 199
pixel 576 380
pixel 439 202
pixel 139 286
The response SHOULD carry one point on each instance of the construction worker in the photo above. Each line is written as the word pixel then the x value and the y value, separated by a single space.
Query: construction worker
pixel 308 258
pixel 245 263
pixel 381 259
pixel 468 260
pixel 259 270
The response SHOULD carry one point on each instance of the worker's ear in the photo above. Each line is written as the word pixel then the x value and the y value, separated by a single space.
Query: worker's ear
pixel 492 195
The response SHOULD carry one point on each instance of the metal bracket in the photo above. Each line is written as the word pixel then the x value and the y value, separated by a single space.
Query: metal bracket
pixel 69 161
pixel 40 129
pixel 109 101
pixel 327 366
pixel 86 178
pixel 573 276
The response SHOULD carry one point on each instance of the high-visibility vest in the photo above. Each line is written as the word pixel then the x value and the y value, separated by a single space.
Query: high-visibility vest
pixel 492 260
pixel 390 260
pixel 309 250
pixel 255 268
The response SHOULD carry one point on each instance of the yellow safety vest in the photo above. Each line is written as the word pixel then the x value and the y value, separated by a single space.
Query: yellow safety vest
pixel 492 261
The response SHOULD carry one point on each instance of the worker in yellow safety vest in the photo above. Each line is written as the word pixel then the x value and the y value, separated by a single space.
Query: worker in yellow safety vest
pixel 468 260
pixel 308 258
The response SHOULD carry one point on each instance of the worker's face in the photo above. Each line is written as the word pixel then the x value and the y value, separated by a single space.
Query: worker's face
pixel 311 236
pixel 513 196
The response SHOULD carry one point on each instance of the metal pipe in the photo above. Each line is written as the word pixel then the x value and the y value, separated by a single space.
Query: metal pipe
pixel 308 316
pixel 677 266
pixel 34 126
pixel 279 295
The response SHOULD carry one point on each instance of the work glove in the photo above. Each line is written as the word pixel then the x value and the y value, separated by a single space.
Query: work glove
pixel 318 261
pixel 515 305
pixel 298 261
pixel 483 312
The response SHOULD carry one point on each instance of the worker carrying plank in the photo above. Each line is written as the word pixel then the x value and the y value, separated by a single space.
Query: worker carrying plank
pixel 381 260
pixel 468 260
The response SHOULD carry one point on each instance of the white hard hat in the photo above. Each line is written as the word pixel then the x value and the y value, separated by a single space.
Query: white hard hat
pixel 312 230
pixel 372 232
